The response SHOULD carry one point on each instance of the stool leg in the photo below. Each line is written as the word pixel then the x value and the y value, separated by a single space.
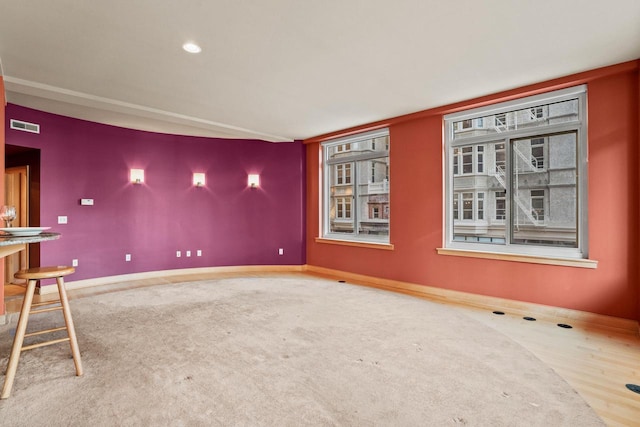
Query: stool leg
pixel 73 342
pixel 18 340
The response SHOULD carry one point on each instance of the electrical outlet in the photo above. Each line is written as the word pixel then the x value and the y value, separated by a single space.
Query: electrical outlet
pixel 281 251
pixel 199 252
pixel 74 262
pixel 127 257
pixel 178 254
pixel 188 253
pixel 62 219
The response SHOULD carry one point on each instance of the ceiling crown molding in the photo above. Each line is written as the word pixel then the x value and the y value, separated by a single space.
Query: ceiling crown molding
pixel 155 117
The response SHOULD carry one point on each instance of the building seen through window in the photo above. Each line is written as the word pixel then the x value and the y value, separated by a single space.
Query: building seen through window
pixel 517 176
pixel 356 188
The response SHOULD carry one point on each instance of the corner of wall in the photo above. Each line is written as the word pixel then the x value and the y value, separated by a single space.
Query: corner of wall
pixel 2 107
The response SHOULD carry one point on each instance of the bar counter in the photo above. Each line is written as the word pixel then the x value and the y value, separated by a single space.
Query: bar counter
pixel 11 244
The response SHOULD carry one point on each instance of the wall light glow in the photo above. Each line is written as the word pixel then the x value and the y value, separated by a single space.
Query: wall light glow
pixel 254 180
pixel 198 179
pixel 136 176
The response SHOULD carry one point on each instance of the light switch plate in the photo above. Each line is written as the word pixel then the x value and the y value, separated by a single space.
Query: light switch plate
pixel 86 202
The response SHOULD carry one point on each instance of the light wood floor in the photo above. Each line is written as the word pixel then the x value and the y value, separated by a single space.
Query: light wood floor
pixel 597 362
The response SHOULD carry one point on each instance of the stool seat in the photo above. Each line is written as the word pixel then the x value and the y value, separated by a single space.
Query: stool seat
pixel 38 273
pixel 33 275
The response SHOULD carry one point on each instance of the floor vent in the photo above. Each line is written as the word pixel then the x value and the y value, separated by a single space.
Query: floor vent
pixel 25 126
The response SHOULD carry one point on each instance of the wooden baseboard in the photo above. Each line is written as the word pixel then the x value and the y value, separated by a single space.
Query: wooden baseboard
pixel 519 308
pixel 107 280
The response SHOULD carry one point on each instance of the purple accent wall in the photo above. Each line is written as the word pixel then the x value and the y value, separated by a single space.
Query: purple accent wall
pixel 231 223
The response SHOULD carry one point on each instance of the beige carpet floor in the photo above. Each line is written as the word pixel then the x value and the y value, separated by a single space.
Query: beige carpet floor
pixel 282 351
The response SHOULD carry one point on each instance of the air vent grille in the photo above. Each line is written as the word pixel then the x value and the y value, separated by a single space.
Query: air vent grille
pixel 25 126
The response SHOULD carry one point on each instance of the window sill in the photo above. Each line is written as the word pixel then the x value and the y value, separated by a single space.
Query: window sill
pixel 370 245
pixel 567 262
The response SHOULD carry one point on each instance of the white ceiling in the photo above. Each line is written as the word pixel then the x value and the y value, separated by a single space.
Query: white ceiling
pixel 281 70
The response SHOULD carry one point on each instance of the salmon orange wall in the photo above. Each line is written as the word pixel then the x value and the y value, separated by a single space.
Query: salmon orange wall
pixel 417 209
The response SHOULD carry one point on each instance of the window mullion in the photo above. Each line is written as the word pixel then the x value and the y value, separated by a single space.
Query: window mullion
pixel 508 179
pixel 355 196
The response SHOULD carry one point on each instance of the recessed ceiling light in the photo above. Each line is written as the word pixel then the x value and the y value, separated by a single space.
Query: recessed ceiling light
pixel 192 47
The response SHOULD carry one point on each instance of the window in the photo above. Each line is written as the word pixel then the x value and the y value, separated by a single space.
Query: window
pixel 470 158
pixel 356 187
pixel 343 174
pixel 500 122
pixel 537 204
pixel 343 206
pixel 468 200
pixel 467 160
pixel 518 185
pixel 536 113
pixel 500 157
pixel 537 153
pixel 467 206
pixel 501 205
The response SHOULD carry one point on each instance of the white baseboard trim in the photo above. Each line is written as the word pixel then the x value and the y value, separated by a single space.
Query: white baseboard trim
pixel 519 308
pixel 107 280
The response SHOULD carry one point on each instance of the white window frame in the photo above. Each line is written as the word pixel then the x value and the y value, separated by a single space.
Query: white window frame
pixel 354 157
pixel 579 126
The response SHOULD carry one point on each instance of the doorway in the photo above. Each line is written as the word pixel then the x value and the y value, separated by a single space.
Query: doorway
pixel 16 193
pixel 22 190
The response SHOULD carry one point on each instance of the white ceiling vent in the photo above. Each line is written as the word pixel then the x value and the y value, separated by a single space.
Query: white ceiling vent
pixel 25 126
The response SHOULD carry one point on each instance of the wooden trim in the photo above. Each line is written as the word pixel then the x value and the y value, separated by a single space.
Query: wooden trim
pixel 445 296
pixel 483 302
pixel 11 249
pixel 385 246
pixel 508 95
pixel 532 259
pixel 107 280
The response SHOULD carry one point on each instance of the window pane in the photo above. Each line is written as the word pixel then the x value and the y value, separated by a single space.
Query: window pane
pixel 456 216
pixel 500 156
pixel 478 200
pixel 341 193
pixel 356 187
pixel 467 160
pixel 467 205
pixel 529 154
pixel 337 151
pixel 373 196
pixel 542 115
pixel 501 205
pixel 543 206
pixel 456 155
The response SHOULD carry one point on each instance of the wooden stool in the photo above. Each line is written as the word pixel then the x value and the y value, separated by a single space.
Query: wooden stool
pixel 33 275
